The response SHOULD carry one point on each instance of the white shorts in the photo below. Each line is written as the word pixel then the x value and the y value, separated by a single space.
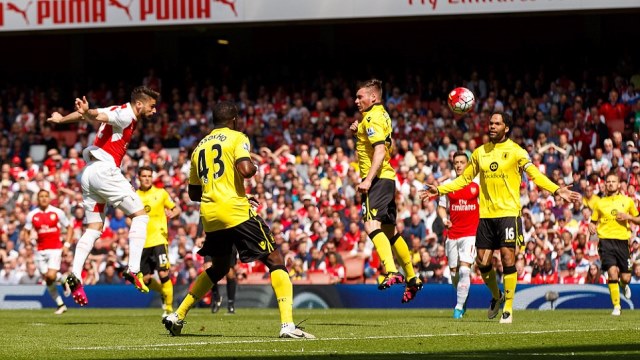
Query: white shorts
pixel 48 259
pixel 102 184
pixel 462 249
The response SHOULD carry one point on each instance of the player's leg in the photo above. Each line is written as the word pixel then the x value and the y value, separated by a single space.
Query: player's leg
pixel 94 206
pixel 48 263
pixel 402 253
pixel 216 298
pixel 451 252
pixel 510 279
pixel 613 274
pixel 465 253
pixel 510 231
pixel 624 266
pixel 486 245
pixel 608 251
pixel 374 209
pixel 232 283
pixel 217 245
pixel 118 192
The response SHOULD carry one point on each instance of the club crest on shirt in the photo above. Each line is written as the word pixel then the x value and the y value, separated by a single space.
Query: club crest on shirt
pixel 473 190
pixel 493 166
pixel 614 212
pixel 370 132
pixel 52 217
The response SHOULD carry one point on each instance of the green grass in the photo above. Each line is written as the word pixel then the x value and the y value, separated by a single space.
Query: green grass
pixel 342 334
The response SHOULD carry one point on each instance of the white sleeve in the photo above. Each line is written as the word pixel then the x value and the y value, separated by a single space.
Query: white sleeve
pixel 28 225
pixel 119 116
pixel 62 218
pixel 444 201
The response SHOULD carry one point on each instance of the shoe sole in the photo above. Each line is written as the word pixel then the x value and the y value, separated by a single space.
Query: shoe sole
pixel 414 291
pixel 170 326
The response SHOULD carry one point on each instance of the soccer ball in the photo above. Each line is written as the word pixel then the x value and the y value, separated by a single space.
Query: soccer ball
pixel 461 100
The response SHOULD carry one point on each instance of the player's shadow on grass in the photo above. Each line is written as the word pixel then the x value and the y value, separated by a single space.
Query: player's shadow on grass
pixel 91 323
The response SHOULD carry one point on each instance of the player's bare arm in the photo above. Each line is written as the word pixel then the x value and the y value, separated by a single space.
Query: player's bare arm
pixel 442 212
pixel 246 168
pixel 82 108
pixel 568 195
pixel 623 216
pixel 354 126
pixel 429 191
pixel 379 152
pixel 172 213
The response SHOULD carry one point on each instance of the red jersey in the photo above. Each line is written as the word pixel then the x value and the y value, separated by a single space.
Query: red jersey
pixel 47 224
pixel 464 211
pixel 112 139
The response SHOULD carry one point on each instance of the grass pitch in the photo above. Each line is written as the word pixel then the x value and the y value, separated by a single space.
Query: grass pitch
pixel 342 334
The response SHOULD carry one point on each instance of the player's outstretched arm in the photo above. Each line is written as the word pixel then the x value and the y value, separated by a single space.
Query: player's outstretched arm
pixel 429 191
pixel 82 108
pixel 568 195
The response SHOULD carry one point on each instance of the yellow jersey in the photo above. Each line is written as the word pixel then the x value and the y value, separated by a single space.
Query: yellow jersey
pixel 590 202
pixel 155 200
pixel 373 129
pixel 500 167
pixel 224 202
pixel 605 211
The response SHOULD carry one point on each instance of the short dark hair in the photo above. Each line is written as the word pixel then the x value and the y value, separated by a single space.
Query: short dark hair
pixel 373 84
pixel 144 168
pixel 224 112
pixel 506 118
pixel 461 153
pixel 142 93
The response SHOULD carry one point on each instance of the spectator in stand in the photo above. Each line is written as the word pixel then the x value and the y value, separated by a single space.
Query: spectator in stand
pixel 572 277
pixel 547 275
pixel 335 269
pixel 524 277
pixel 594 276
pixel 635 274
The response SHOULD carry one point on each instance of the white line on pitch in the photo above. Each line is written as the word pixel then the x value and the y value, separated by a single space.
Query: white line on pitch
pixel 259 341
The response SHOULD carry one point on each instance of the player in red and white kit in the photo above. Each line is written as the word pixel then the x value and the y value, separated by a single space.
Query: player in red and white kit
pixel 462 223
pixel 103 182
pixel 45 222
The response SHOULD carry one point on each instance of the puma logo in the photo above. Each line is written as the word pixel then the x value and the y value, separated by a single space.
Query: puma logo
pixel 119 5
pixel 229 3
pixel 15 8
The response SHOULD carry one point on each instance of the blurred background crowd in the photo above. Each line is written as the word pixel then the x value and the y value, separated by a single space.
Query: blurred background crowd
pixel 576 130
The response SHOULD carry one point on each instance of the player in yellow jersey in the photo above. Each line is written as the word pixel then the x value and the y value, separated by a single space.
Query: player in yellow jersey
pixel 373 146
pixel 219 165
pixel 610 220
pixel 500 164
pixel 158 205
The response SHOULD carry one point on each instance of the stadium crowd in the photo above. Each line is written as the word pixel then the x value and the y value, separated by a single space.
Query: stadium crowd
pixel 576 130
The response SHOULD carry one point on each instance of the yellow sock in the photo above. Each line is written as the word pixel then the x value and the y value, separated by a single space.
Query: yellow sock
pixel 283 289
pixel 383 247
pixel 510 281
pixel 154 285
pixel 200 287
pixel 614 291
pixel 490 280
pixel 404 256
pixel 167 295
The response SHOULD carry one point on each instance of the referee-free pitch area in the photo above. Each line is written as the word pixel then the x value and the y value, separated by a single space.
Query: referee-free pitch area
pixel 342 334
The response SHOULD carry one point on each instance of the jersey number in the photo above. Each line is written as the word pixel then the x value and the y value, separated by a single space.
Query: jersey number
pixel 203 169
pixel 509 233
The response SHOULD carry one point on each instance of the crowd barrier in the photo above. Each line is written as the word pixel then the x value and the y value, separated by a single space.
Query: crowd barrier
pixel 334 296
